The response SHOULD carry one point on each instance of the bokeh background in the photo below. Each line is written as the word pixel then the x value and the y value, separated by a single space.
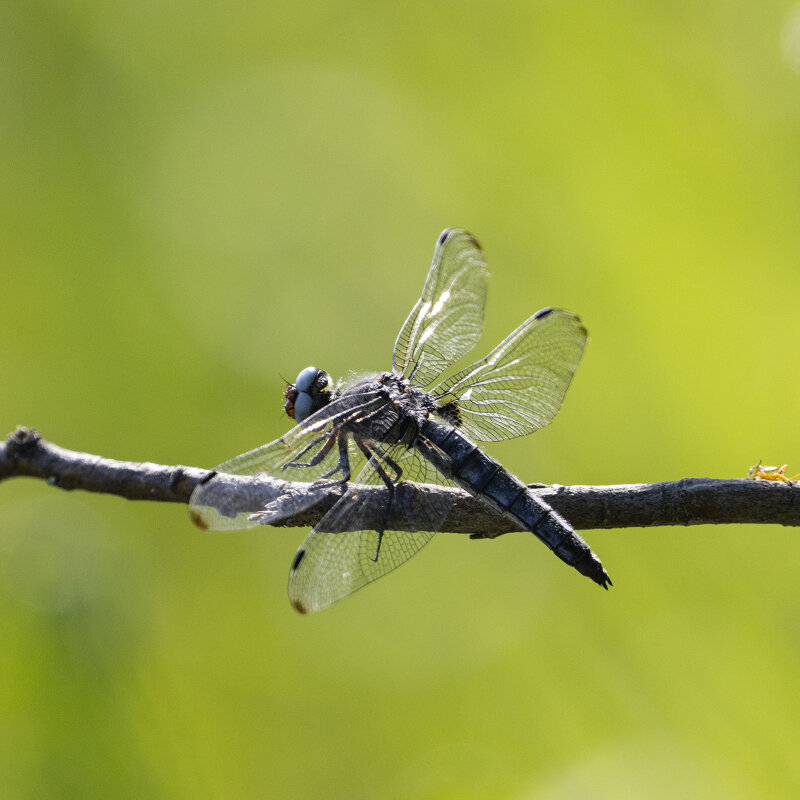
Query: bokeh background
pixel 200 198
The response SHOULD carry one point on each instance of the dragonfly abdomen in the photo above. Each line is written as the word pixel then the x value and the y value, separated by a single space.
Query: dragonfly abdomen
pixel 482 476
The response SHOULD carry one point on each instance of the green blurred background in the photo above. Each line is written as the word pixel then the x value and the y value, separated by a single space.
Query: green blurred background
pixel 201 197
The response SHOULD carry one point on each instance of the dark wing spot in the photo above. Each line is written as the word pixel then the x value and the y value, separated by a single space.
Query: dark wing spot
pixel 474 241
pixel 194 516
pixel 299 607
pixel 298 558
pixel 445 235
pixel 542 313
pixel 207 478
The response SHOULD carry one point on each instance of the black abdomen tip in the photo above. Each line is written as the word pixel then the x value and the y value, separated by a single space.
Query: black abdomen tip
pixel 592 568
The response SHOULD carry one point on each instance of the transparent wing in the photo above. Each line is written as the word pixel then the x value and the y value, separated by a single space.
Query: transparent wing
pixel 341 554
pixel 520 386
pixel 311 451
pixel 447 320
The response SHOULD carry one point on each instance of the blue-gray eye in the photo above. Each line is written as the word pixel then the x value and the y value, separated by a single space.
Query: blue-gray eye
pixel 303 406
pixel 306 378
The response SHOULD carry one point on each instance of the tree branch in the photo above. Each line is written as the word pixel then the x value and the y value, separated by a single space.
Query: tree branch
pixel 691 501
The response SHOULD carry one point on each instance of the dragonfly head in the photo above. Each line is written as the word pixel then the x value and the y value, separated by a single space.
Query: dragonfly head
pixel 309 393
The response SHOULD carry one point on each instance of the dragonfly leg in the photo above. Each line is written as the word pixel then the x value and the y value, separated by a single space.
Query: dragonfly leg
pixel 384 476
pixel 411 435
pixel 344 462
pixel 319 455
pixel 398 470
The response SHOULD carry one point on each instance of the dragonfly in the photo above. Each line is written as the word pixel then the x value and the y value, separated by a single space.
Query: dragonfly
pixel 414 423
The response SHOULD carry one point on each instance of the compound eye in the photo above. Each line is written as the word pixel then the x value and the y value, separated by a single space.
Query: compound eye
pixel 303 406
pixel 306 378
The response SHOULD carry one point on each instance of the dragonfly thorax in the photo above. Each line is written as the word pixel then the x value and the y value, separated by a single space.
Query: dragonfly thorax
pixel 401 391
